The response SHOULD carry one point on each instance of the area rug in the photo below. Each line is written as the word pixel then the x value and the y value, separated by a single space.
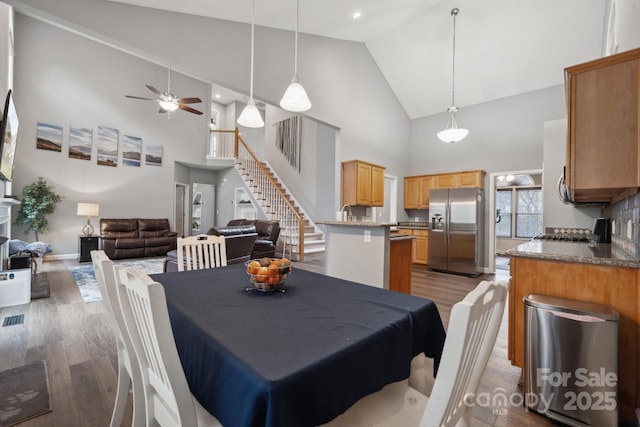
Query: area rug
pixel 24 393
pixel 85 277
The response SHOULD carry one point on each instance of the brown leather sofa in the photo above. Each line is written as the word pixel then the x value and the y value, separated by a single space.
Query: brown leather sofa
pixel 238 242
pixel 136 237
pixel 268 233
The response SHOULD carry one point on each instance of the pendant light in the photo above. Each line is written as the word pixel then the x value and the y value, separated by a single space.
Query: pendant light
pixel 453 133
pixel 295 98
pixel 250 116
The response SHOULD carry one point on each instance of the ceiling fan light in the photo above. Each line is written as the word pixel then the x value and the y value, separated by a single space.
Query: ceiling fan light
pixel 295 98
pixel 168 105
pixel 250 116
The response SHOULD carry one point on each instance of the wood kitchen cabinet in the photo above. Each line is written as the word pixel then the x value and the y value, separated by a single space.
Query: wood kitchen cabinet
pixel 362 184
pixel 460 179
pixel 602 163
pixel 614 286
pixel 416 191
pixel 416 188
pixel 419 245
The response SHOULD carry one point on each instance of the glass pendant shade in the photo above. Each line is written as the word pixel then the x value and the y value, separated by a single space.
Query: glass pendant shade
pixel 250 116
pixel 452 133
pixel 295 98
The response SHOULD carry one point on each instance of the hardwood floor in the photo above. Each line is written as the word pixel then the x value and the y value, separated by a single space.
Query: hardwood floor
pixel 76 340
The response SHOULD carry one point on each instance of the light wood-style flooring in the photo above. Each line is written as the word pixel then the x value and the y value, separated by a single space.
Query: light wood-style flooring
pixel 76 340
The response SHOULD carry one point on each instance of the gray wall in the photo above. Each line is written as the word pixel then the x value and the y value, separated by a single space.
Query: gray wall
pixel 556 213
pixel 63 79
pixel 67 79
pixel 315 179
pixel 345 85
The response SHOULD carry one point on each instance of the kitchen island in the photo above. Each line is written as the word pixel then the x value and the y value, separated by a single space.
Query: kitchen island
pixel 599 273
pixel 362 252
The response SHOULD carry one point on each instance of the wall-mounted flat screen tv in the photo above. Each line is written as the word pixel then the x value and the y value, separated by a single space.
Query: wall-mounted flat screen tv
pixel 9 134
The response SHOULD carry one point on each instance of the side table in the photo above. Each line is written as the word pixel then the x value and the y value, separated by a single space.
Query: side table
pixel 86 244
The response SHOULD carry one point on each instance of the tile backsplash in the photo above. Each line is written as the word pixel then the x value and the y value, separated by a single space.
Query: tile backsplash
pixel 625 217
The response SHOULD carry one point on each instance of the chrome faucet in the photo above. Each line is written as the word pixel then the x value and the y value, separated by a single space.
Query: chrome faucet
pixel 350 213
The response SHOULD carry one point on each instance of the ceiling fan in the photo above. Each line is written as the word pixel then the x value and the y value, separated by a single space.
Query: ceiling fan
pixel 168 101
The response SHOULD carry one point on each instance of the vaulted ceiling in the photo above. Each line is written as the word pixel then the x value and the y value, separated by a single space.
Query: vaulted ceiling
pixel 503 47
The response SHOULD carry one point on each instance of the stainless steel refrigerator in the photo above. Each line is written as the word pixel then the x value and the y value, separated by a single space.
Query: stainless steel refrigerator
pixel 456 234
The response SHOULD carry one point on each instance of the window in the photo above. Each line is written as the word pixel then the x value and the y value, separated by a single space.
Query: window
pixel 519 209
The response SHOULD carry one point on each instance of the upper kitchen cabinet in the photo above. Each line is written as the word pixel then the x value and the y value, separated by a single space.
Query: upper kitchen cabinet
pixel 416 191
pixel 460 179
pixel 416 188
pixel 362 183
pixel 602 136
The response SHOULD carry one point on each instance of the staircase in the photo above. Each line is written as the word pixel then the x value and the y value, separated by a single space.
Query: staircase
pixel 299 237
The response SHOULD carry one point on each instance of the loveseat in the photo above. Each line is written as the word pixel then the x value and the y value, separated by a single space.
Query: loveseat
pixel 268 233
pixel 238 242
pixel 136 237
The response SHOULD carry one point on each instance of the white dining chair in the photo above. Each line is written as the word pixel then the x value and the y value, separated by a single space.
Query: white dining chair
pixel 200 252
pixel 473 327
pixel 169 401
pixel 128 370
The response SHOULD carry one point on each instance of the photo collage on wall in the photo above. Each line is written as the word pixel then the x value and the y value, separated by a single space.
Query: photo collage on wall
pixel 50 137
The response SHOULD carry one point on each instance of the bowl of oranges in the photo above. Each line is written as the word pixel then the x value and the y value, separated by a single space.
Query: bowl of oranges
pixel 268 274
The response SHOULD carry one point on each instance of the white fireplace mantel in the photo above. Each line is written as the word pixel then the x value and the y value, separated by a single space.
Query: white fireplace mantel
pixel 5 209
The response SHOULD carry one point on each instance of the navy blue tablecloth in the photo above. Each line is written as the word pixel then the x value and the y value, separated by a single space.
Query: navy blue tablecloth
pixel 298 358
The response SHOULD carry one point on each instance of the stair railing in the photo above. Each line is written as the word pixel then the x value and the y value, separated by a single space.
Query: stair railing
pixel 266 190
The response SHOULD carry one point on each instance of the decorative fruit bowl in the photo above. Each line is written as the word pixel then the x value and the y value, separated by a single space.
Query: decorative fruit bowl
pixel 268 274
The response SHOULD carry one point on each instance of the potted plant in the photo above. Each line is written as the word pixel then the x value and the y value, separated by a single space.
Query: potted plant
pixel 38 201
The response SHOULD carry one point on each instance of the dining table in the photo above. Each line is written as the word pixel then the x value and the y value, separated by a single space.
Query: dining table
pixel 295 358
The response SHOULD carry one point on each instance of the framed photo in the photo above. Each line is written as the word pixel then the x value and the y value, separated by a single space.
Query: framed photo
pixel 49 137
pixel 80 143
pixel 107 146
pixel 131 150
pixel 153 155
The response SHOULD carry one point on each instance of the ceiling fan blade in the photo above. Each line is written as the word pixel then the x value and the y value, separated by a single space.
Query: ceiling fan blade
pixel 154 90
pixel 189 100
pixel 189 109
pixel 139 97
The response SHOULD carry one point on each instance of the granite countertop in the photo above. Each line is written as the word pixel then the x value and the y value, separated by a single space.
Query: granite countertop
pixel 585 253
pixel 358 223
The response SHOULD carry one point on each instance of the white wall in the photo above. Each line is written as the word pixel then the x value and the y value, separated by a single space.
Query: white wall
pixel 63 79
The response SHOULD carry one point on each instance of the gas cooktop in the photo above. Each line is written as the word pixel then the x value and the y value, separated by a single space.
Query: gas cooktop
pixel 566 235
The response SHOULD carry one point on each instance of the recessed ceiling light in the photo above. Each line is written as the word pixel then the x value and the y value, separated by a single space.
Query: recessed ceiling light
pixel 217 96
pixel 357 14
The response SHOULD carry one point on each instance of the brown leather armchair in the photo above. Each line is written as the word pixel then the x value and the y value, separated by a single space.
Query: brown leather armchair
pixel 268 234
pixel 238 241
pixel 136 237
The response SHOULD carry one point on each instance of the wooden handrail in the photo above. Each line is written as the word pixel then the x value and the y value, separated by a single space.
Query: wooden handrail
pixel 238 140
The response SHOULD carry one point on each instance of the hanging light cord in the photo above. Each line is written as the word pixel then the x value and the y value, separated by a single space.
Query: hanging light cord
pixel 295 55
pixel 454 13
pixel 253 13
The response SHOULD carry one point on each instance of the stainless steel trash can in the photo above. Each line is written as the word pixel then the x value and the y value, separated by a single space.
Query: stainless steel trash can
pixel 571 360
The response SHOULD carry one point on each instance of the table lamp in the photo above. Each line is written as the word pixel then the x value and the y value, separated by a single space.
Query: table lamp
pixel 88 209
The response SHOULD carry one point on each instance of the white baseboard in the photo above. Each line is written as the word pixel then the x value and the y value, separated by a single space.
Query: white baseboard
pixel 60 257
